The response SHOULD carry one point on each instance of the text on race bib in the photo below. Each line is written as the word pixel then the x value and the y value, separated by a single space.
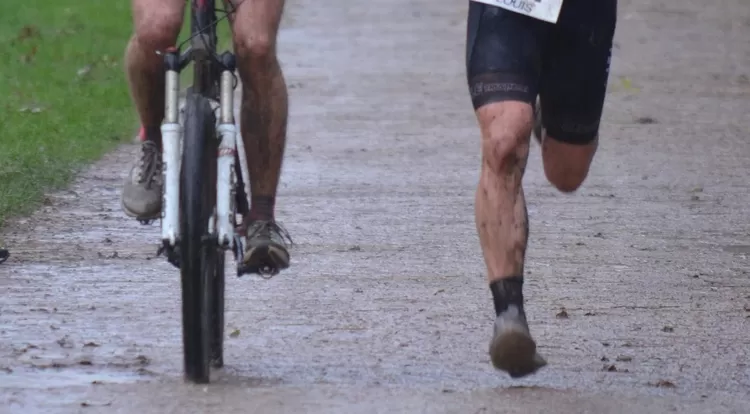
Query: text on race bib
pixel 546 10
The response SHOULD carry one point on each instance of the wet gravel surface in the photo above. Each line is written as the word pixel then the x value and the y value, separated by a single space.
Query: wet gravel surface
pixel 638 284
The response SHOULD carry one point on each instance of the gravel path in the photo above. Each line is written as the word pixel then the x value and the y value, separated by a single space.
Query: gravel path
pixel 638 285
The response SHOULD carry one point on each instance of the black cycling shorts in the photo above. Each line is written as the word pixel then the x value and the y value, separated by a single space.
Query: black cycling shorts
pixel 510 56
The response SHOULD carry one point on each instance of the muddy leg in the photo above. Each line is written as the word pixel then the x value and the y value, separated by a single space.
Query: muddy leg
pixel 156 26
pixel 263 114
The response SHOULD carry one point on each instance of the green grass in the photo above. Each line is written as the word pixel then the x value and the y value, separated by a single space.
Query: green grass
pixel 63 93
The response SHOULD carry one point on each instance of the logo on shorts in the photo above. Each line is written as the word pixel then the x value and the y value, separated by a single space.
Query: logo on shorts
pixel 481 88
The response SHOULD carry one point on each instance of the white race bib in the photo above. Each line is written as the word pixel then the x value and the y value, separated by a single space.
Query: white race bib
pixel 547 10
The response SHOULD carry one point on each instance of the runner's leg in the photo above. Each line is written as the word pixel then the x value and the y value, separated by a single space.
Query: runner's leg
pixel 263 117
pixel 157 24
pixel 573 87
pixel 503 65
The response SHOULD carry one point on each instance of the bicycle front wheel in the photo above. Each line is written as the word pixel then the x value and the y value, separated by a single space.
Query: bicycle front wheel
pixel 201 260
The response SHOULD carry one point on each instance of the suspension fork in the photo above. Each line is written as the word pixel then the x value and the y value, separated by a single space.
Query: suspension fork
pixel 171 132
pixel 226 175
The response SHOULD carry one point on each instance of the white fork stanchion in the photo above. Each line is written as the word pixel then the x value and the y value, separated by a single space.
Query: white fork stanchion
pixel 225 164
pixel 171 132
pixel 224 184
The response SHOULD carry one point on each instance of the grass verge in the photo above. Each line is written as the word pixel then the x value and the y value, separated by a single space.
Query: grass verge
pixel 64 97
pixel 63 93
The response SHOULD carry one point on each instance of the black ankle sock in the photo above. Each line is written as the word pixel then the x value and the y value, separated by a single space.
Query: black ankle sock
pixel 506 292
pixel 261 207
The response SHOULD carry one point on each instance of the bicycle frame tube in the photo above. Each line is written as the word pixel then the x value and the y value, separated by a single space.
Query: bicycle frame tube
pixel 203 47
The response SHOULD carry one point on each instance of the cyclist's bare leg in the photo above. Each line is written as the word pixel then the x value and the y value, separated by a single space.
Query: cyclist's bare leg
pixel 156 24
pixel 263 119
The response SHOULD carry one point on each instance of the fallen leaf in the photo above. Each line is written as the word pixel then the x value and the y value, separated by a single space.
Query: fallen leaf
pixel 563 314
pixel 84 71
pixel 667 329
pixel 628 85
pixel 29 56
pixel 88 404
pixel 235 333
pixel 624 358
pixel 65 342
pixel 664 384
pixel 33 109
pixel 645 120
pixel 28 32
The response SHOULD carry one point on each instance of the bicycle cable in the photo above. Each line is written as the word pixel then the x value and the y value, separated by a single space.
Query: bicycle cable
pixel 201 30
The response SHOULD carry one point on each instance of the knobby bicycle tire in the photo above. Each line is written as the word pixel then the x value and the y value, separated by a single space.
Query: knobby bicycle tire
pixel 217 310
pixel 202 261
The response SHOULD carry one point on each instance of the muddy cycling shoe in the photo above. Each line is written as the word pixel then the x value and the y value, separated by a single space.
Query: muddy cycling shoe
pixel 4 254
pixel 512 349
pixel 265 250
pixel 142 193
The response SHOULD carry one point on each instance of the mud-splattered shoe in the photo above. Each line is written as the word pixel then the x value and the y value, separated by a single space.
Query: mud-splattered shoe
pixel 142 193
pixel 265 249
pixel 512 349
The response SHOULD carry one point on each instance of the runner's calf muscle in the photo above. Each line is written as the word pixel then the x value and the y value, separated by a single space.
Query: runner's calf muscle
pixel 566 165
pixel 500 207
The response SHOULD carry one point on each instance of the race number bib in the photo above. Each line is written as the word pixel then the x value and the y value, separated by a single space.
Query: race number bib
pixel 547 10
